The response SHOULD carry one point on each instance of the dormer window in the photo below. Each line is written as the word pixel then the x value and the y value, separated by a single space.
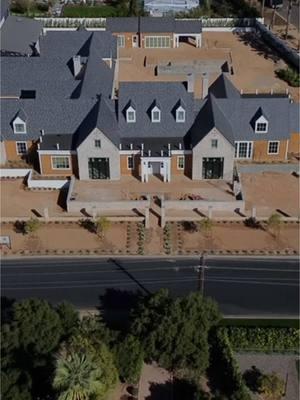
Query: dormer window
pixel 130 115
pixel 155 114
pixel 261 125
pixel 180 114
pixel 19 126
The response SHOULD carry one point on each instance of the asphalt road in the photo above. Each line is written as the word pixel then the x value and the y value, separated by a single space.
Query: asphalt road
pixel 242 287
pixel 294 12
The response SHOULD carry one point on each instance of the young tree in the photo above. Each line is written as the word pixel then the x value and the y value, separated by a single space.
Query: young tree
pixel 130 357
pixel 206 226
pixel 102 225
pixel 174 333
pixel 31 225
pixel 271 386
pixel 274 224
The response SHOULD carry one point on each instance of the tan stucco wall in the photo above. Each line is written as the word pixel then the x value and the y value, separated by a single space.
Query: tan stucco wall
pixel 187 165
pixel 294 143
pixel 123 165
pixel 260 151
pixel 11 149
pixel 46 167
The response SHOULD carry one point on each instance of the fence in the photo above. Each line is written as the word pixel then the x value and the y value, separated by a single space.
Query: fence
pixel 31 182
pixel 207 23
pixel 14 172
pixel 288 54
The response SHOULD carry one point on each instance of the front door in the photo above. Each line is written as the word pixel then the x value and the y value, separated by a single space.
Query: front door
pixel 135 41
pixel 212 168
pixel 99 168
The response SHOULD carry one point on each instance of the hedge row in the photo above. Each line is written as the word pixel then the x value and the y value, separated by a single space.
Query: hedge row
pixel 224 373
pixel 90 12
pixel 265 339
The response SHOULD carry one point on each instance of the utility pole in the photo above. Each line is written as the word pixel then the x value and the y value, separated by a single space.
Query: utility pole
pixel 288 19
pixel 201 270
pixel 273 16
pixel 262 8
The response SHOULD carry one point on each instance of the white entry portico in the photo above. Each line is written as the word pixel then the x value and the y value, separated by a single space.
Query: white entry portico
pixel 156 166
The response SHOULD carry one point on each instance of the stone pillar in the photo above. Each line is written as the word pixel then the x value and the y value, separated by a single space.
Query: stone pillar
pixel 210 210
pixel 253 212
pixel 46 214
pixel 147 217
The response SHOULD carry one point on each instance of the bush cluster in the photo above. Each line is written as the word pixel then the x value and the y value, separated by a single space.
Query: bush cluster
pixel 167 238
pixel 141 238
pixel 289 75
pixel 262 338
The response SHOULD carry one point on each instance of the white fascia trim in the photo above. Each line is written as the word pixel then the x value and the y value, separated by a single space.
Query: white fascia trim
pixel 181 152
pixel 57 152
pixel 129 152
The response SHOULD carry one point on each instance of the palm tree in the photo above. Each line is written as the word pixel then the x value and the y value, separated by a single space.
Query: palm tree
pixel 77 377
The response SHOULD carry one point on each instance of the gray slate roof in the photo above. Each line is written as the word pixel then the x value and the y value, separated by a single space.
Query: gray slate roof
pixel 144 95
pixel 223 88
pixel 4 9
pixel 19 34
pixel 153 24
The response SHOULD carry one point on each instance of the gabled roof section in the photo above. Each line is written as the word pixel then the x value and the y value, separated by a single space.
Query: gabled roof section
pixel 103 117
pixel 21 114
pixel 4 9
pixel 210 116
pixel 294 118
pixel 188 26
pixel 19 34
pixel 223 88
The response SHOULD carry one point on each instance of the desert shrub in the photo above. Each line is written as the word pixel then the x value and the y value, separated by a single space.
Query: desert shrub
pixel 271 386
pixel 252 222
pixel 289 75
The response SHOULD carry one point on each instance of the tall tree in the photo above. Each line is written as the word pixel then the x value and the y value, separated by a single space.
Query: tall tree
pixel 174 333
pixel 130 358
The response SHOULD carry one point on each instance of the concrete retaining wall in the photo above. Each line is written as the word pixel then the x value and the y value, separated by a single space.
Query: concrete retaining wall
pixel 14 172
pixel 257 168
pixel 204 205
pixel 46 183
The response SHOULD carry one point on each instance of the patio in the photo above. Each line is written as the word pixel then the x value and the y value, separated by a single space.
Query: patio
pixel 130 188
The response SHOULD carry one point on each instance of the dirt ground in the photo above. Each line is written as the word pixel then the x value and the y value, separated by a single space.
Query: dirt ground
pixel 71 238
pixel 17 202
pixel 271 191
pixel 254 64
pixel 234 236
pixel 283 365
pixel 154 383
pixel 122 238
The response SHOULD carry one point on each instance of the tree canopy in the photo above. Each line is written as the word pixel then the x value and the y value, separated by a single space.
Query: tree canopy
pixel 174 333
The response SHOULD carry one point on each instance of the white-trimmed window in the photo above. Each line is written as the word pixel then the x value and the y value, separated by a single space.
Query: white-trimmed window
pixel 21 148
pixel 19 126
pixel 273 147
pixel 98 143
pixel 214 143
pixel 180 114
pixel 180 162
pixel 130 115
pixel 155 114
pixel 121 41
pixel 243 149
pixel 130 162
pixel 60 162
pixel 157 42
pixel 261 125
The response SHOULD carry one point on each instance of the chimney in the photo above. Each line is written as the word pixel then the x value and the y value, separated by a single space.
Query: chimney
pixel 190 83
pixel 41 139
pixel 39 146
pixel 161 153
pixel 180 146
pixel 131 146
pixel 120 146
pixel 57 146
pixel 76 65
pixel 204 86
pixel 42 132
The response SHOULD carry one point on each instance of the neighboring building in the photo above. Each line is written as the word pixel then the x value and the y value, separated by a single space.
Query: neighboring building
pixel 62 108
pixel 153 32
pixel 159 8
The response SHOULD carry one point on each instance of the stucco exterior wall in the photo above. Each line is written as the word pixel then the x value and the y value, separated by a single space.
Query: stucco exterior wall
pixel 128 38
pixel 11 149
pixel 187 165
pixel 3 157
pixel 203 150
pixel 124 165
pixel 294 143
pixel 88 150
pixel 260 151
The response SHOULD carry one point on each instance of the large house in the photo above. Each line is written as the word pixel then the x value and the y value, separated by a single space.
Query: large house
pixel 61 109
pixel 159 8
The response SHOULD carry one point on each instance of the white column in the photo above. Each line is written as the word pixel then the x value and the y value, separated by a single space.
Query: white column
pixel 169 170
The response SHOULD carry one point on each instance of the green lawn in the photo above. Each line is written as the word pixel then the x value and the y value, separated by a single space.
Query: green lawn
pixel 89 12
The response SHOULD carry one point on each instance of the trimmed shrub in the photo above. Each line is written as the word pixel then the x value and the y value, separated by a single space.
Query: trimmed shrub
pixel 289 75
